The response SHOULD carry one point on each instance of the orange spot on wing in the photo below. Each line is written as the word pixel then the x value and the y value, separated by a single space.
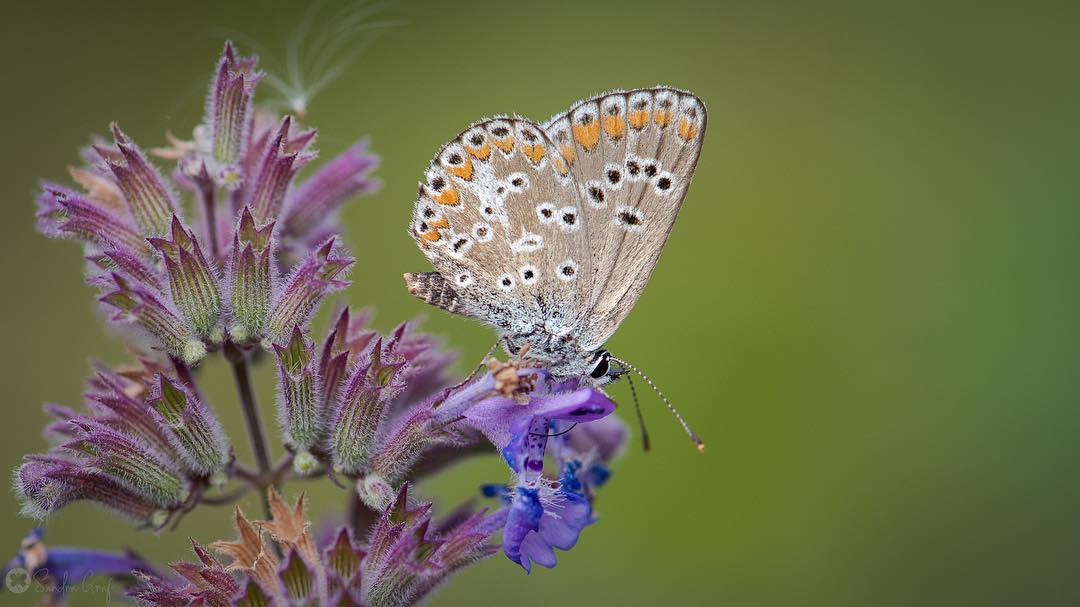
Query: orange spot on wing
pixel 638 119
pixel 614 126
pixel 561 166
pixel 687 130
pixel 480 153
pixel 505 144
pixel 441 222
pixel 535 152
pixel 431 235
pixel 587 134
pixel 663 118
pixel 567 150
pixel 464 171
pixel 448 197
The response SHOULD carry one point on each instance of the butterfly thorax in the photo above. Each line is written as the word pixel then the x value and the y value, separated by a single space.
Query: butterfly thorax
pixel 561 355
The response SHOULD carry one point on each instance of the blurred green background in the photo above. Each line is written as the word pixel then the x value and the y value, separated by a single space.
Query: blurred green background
pixel 868 307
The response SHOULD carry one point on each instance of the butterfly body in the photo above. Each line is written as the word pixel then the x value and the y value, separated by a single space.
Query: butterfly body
pixel 550 232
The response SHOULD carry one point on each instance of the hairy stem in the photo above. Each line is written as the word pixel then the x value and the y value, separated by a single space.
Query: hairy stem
pixel 206 190
pixel 242 374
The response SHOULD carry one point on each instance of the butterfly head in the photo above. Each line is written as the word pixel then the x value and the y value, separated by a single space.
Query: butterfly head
pixel 601 370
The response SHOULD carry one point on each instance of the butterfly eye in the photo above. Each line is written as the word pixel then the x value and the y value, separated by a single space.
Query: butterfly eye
pixel 601 364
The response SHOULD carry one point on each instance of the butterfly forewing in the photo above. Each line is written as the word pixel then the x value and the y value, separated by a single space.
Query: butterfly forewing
pixel 499 217
pixel 632 155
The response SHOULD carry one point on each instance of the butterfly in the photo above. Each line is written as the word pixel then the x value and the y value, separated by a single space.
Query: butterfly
pixel 549 232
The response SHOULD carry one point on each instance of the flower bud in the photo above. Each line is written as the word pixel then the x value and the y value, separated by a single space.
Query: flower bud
pixel 193 282
pixel 194 432
pixel 298 407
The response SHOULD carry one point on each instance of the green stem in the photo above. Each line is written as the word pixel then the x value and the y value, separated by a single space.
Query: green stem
pixel 242 374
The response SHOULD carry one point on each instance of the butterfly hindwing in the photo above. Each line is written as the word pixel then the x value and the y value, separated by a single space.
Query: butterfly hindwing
pixel 632 155
pixel 498 217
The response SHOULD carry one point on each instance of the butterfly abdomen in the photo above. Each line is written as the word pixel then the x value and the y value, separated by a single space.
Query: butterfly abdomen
pixel 433 289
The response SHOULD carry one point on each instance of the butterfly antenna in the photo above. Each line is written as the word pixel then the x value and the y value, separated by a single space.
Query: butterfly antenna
pixel 700 444
pixel 645 442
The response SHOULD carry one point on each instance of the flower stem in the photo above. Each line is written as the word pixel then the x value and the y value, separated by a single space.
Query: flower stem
pixel 206 190
pixel 242 374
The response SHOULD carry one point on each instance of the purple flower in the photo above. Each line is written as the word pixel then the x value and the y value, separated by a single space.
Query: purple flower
pixel 251 279
pixel 542 513
pixel 282 158
pixel 312 281
pixel 299 411
pixel 47 483
pixel 64 213
pixel 348 337
pixel 150 201
pixel 144 307
pixel 192 280
pixel 503 419
pixel 141 449
pixel 228 107
pixel 406 556
pixel 193 431
pixel 362 407
pixel 204 583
